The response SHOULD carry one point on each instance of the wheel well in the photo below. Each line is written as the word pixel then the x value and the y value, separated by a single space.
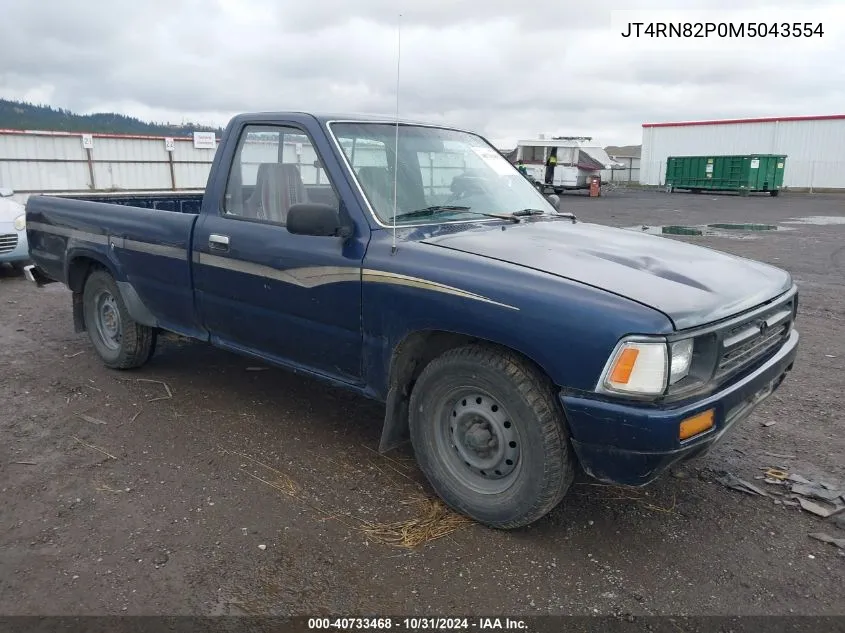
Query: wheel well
pixel 409 359
pixel 78 271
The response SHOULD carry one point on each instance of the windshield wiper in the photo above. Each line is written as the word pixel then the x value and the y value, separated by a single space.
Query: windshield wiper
pixel 556 214
pixel 527 212
pixel 568 216
pixel 445 208
pixel 428 211
pixel 515 216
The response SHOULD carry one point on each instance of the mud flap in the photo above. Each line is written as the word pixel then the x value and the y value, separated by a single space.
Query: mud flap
pixel 135 305
pixel 394 432
pixel 78 313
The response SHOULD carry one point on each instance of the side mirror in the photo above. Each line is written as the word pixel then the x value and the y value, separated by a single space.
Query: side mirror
pixel 6 193
pixel 554 200
pixel 317 219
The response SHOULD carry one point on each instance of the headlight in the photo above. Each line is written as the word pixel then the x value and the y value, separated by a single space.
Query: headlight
pixel 680 360
pixel 20 222
pixel 637 367
pixel 646 367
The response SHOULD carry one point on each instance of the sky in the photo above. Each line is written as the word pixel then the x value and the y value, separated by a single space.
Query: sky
pixel 505 68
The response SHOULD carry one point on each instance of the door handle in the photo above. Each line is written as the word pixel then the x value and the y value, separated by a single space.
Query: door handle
pixel 218 242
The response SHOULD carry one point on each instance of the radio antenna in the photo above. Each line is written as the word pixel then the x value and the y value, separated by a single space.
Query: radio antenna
pixel 396 146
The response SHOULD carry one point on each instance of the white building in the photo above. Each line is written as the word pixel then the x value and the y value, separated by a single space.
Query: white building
pixel 629 171
pixel 813 146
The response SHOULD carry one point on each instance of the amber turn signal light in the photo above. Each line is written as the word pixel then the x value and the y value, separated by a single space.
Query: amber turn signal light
pixel 624 366
pixel 697 424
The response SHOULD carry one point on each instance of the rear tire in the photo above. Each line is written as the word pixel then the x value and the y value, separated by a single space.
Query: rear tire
pixel 121 342
pixel 490 437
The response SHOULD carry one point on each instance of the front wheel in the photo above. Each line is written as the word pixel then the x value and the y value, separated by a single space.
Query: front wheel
pixel 489 437
pixel 121 342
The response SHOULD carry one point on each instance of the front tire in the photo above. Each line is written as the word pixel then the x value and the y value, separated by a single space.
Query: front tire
pixel 490 437
pixel 121 342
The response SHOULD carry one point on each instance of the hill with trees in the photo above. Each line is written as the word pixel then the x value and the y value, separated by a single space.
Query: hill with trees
pixel 17 115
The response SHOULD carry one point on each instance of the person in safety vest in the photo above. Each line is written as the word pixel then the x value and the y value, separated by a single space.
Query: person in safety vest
pixel 550 168
pixel 521 167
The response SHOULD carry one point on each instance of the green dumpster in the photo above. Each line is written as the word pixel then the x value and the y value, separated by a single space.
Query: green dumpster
pixel 743 174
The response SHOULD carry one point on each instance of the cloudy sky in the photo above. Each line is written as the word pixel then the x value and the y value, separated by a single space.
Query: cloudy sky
pixel 508 68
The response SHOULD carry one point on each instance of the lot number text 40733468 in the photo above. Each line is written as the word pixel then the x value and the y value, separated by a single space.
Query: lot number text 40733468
pixel 417 624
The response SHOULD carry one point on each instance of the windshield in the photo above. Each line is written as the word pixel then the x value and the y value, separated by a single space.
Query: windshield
pixel 444 173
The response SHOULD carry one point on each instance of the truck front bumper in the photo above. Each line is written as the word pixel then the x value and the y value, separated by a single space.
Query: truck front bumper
pixel 632 445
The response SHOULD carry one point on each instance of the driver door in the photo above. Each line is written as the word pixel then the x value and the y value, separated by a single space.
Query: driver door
pixel 294 299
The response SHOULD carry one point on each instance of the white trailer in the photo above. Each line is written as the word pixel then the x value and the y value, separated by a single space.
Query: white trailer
pixel 579 161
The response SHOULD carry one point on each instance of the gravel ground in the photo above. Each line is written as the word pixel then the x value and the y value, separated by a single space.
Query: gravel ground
pixel 244 492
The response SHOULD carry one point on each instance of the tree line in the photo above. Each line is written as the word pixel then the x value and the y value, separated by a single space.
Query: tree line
pixel 18 115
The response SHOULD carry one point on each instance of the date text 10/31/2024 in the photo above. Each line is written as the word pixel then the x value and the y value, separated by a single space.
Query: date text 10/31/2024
pixel 723 29
pixel 417 624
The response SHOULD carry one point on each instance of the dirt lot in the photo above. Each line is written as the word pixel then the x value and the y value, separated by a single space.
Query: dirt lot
pixel 250 491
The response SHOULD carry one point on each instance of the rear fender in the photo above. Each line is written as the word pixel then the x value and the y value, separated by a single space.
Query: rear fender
pixel 80 263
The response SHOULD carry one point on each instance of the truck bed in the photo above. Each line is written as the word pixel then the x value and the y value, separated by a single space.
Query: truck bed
pixel 143 239
pixel 181 201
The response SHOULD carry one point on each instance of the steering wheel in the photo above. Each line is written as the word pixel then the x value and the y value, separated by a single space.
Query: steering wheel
pixel 465 185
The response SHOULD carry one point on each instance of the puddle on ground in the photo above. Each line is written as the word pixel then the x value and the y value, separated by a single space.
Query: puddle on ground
pixel 818 220
pixel 744 227
pixel 734 230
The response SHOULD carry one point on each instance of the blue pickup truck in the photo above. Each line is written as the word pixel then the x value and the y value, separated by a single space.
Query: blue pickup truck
pixel 511 343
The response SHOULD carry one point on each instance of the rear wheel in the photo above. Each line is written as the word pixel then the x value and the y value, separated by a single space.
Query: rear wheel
pixel 121 342
pixel 490 437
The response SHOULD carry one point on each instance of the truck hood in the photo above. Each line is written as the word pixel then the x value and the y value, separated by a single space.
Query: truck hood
pixel 692 285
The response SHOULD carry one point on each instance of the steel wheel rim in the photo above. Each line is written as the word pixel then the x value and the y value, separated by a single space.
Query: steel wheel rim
pixel 108 321
pixel 479 440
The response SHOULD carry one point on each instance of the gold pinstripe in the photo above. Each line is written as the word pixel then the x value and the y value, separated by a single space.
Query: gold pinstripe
pixel 380 276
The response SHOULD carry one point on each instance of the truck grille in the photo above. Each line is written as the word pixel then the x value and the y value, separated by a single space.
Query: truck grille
pixel 8 242
pixel 744 344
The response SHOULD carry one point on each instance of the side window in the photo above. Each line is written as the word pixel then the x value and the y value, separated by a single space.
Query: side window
pixel 533 154
pixel 275 167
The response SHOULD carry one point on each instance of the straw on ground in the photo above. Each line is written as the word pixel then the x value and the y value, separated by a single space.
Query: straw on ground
pixel 431 520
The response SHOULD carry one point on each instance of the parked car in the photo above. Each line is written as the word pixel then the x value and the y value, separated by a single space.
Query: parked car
pixel 13 243
pixel 510 342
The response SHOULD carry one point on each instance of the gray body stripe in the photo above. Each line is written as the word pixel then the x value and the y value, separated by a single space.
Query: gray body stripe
pixel 85 236
pixel 99 238
pixel 306 277
pixel 175 252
